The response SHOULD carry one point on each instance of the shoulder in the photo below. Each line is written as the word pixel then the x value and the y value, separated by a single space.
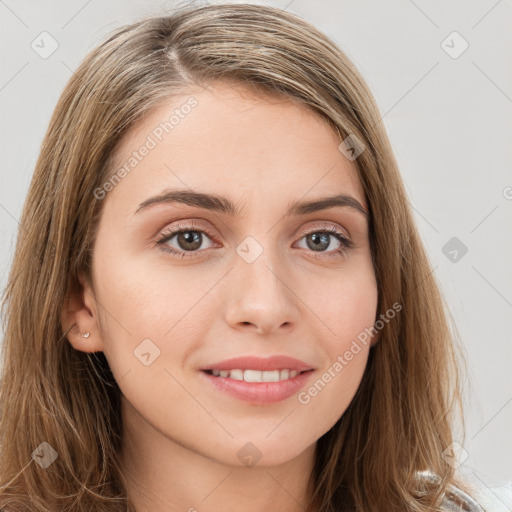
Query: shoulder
pixel 497 498
pixel 477 497
pixel 457 500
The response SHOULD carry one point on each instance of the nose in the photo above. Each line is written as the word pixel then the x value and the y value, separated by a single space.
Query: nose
pixel 261 296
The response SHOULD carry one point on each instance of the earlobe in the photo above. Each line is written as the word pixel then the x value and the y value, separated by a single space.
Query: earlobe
pixel 375 340
pixel 79 317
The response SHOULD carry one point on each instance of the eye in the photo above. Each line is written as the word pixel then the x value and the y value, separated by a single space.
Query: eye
pixel 187 238
pixel 327 236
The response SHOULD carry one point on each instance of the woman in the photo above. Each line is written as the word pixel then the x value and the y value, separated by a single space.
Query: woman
pixel 228 300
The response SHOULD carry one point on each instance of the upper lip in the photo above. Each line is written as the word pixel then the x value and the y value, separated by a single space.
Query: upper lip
pixel 278 362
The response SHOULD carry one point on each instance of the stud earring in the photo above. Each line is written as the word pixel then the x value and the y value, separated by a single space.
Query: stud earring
pixel 86 335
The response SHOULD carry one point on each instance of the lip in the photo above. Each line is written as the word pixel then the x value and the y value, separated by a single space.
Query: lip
pixel 259 393
pixel 278 362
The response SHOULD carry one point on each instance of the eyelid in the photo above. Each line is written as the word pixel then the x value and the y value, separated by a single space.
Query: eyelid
pixel 325 226
pixel 189 225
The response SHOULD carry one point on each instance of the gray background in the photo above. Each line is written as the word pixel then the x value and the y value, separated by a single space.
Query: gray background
pixel 449 121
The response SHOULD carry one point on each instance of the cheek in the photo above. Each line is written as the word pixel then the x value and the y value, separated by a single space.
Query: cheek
pixel 349 315
pixel 331 392
pixel 145 308
pixel 347 308
pixel 345 302
pixel 147 298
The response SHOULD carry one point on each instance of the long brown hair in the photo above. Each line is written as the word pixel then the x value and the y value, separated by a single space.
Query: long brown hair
pixel 402 416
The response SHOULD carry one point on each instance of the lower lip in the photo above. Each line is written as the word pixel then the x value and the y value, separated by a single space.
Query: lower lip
pixel 260 392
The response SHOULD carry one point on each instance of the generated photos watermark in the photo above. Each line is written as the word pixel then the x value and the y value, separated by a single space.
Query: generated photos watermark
pixel 362 339
pixel 152 140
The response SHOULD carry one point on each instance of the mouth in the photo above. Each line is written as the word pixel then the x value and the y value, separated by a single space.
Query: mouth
pixel 261 376
pixel 257 387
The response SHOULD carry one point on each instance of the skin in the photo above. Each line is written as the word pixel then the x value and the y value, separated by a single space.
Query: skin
pixel 182 436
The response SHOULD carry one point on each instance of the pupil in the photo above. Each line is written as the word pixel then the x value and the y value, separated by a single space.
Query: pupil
pixel 319 239
pixel 189 238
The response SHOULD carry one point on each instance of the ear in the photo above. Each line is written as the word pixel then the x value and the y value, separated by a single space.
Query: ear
pixel 375 340
pixel 80 316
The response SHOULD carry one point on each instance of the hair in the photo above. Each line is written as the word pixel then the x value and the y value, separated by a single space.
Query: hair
pixel 402 417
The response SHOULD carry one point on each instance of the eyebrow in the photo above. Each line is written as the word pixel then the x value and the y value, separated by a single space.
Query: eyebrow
pixel 222 204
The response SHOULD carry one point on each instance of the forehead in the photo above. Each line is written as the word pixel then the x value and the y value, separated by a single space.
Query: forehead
pixel 233 139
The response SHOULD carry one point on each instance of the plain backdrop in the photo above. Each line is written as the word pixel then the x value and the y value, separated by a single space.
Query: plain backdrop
pixel 440 72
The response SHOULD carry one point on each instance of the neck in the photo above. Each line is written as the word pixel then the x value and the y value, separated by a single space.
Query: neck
pixel 163 475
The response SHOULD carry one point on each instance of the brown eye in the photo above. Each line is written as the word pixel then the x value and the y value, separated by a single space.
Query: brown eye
pixel 188 240
pixel 318 241
pixel 321 240
pixel 184 240
pixel 181 240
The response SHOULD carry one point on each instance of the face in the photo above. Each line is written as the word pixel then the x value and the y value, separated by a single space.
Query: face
pixel 181 283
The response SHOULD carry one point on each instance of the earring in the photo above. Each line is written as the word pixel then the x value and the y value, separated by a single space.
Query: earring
pixel 86 335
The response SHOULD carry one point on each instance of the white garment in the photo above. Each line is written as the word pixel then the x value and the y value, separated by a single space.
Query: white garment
pixel 483 496
pixel 494 499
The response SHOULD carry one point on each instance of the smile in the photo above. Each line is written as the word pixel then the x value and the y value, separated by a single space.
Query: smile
pixel 250 386
pixel 256 375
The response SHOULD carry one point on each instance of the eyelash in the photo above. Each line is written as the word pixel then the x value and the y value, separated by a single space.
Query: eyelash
pixel 164 237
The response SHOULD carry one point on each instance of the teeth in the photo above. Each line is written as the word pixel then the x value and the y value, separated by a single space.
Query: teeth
pixel 235 374
pixel 256 375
